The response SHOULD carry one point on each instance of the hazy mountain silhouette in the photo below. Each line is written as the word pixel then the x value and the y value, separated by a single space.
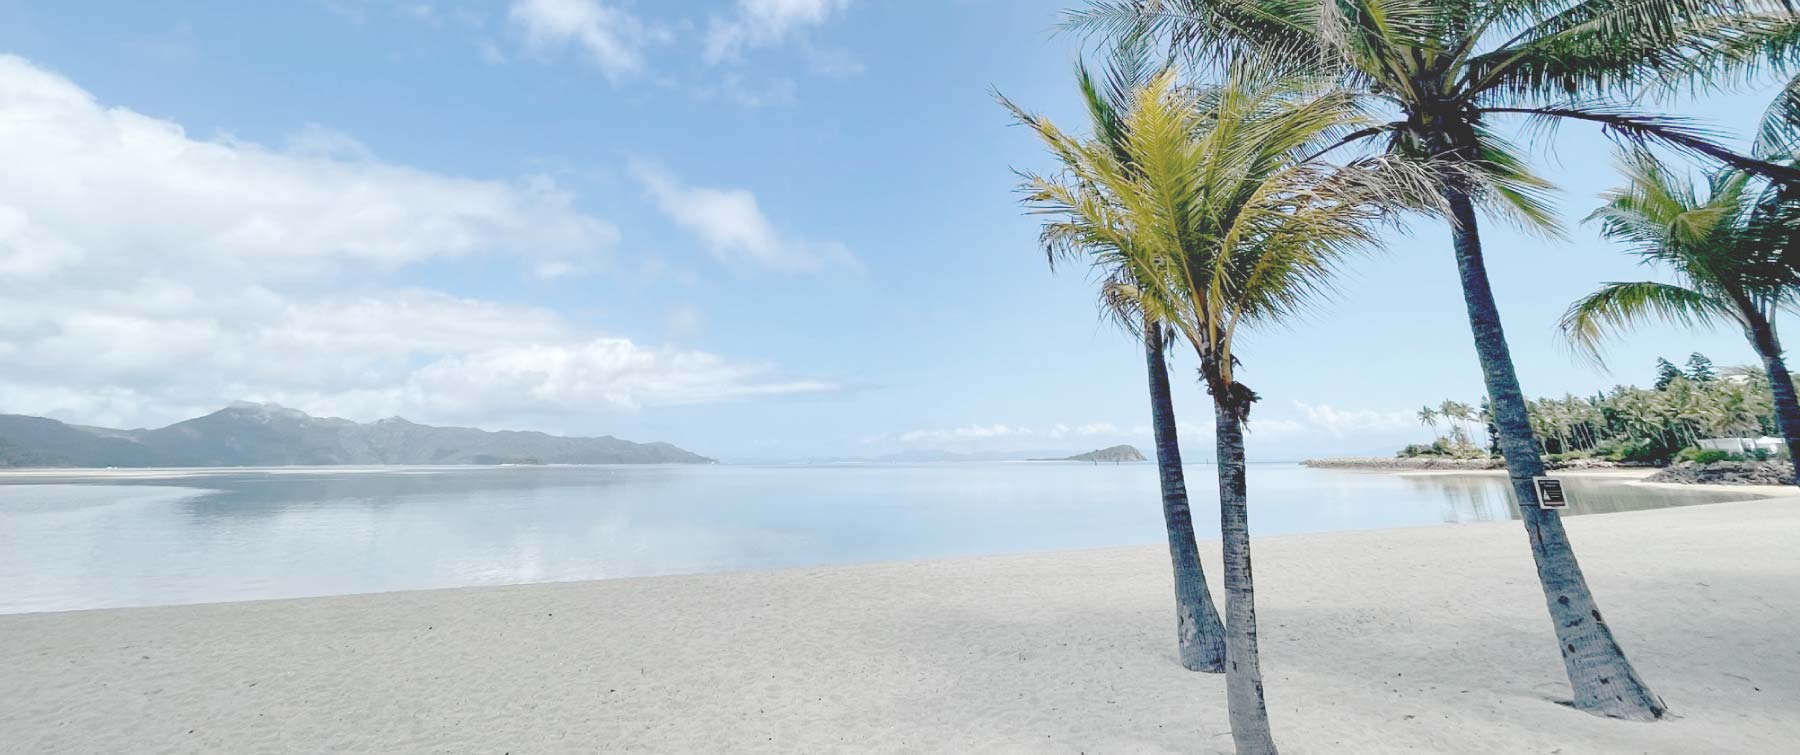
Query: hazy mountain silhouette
pixel 269 435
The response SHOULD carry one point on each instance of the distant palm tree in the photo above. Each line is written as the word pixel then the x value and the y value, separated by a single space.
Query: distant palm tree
pixel 1459 414
pixel 1428 417
pixel 1200 635
pixel 1731 251
pixel 1226 226
pixel 1449 70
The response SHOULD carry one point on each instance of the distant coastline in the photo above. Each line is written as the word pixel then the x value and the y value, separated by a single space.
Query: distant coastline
pixel 1771 473
pixel 267 435
pixel 1447 463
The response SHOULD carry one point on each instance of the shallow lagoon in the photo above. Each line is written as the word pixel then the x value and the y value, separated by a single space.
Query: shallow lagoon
pixel 131 538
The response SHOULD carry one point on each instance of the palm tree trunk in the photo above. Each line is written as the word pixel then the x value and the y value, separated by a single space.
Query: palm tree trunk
pixel 1601 678
pixel 1201 638
pixel 1243 667
pixel 1787 406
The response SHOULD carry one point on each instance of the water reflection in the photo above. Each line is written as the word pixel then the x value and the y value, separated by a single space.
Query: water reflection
pixel 184 537
pixel 1482 498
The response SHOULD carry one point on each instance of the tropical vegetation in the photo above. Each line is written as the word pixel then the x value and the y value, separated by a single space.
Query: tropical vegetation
pixel 1733 256
pixel 1209 213
pixel 1448 73
pixel 1631 424
pixel 1200 634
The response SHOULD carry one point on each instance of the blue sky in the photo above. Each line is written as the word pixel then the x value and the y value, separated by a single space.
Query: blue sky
pixel 760 229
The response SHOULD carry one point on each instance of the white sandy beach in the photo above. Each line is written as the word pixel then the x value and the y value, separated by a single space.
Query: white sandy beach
pixel 1429 639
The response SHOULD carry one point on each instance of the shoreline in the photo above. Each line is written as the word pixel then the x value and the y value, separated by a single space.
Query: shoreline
pixel 1061 652
pixel 1423 463
pixel 1628 475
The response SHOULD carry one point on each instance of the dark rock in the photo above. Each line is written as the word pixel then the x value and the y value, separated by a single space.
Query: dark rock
pixel 1727 473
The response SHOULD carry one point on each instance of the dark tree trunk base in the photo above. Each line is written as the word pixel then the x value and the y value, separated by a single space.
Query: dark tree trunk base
pixel 1781 384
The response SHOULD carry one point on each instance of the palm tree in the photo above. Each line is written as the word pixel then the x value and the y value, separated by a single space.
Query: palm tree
pixel 1459 415
pixel 1428 417
pixel 1449 70
pixel 1729 251
pixel 1225 226
pixel 1200 635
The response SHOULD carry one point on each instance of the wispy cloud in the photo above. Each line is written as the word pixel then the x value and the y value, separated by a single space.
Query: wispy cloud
pixel 763 23
pixel 614 38
pixel 966 433
pixel 1313 420
pixel 731 224
pixel 1061 430
pixel 1339 422
pixel 611 38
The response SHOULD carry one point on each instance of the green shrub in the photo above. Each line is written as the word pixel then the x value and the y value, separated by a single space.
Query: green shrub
pixel 1638 453
pixel 1707 456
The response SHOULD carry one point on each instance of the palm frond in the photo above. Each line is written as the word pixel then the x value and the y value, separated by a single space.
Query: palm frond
pixel 1203 208
pixel 1641 130
pixel 1617 307
pixel 1600 47
pixel 1778 135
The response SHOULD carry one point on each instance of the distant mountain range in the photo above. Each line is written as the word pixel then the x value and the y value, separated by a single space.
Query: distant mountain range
pixel 269 435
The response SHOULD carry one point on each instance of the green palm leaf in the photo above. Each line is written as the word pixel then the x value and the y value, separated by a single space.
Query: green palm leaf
pixel 1617 307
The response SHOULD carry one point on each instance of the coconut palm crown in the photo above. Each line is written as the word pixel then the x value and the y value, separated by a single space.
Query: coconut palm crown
pixel 1453 70
pixel 1199 630
pixel 1210 218
pixel 1733 254
pixel 1207 213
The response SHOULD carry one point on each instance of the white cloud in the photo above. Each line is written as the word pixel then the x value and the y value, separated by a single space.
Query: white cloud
pixel 747 92
pixel 732 225
pixel 762 23
pixel 314 140
pixel 1062 430
pixel 92 179
pixel 685 321
pixel 601 372
pixel 612 38
pixel 1340 422
pixel 968 433
pixel 1000 433
pixel 1274 427
pixel 146 275
pixel 1314 420
pixel 834 62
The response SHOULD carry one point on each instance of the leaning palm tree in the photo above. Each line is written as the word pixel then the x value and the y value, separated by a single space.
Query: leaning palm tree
pixel 1200 635
pixel 1459 414
pixel 1731 251
pixel 1224 226
pixel 1428 417
pixel 1450 71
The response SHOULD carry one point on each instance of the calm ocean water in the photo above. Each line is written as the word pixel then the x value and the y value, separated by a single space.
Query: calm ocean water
pixel 210 536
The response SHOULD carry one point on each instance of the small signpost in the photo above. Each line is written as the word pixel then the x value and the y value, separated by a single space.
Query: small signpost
pixel 1550 493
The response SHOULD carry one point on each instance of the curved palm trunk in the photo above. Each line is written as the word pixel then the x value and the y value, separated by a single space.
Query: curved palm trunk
pixel 1243 666
pixel 1787 406
pixel 1201 636
pixel 1602 679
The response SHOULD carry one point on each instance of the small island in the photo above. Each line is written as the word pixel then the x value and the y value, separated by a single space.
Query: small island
pixel 1114 454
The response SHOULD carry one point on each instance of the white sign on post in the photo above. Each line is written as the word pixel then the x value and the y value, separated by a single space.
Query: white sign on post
pixel 1550 493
